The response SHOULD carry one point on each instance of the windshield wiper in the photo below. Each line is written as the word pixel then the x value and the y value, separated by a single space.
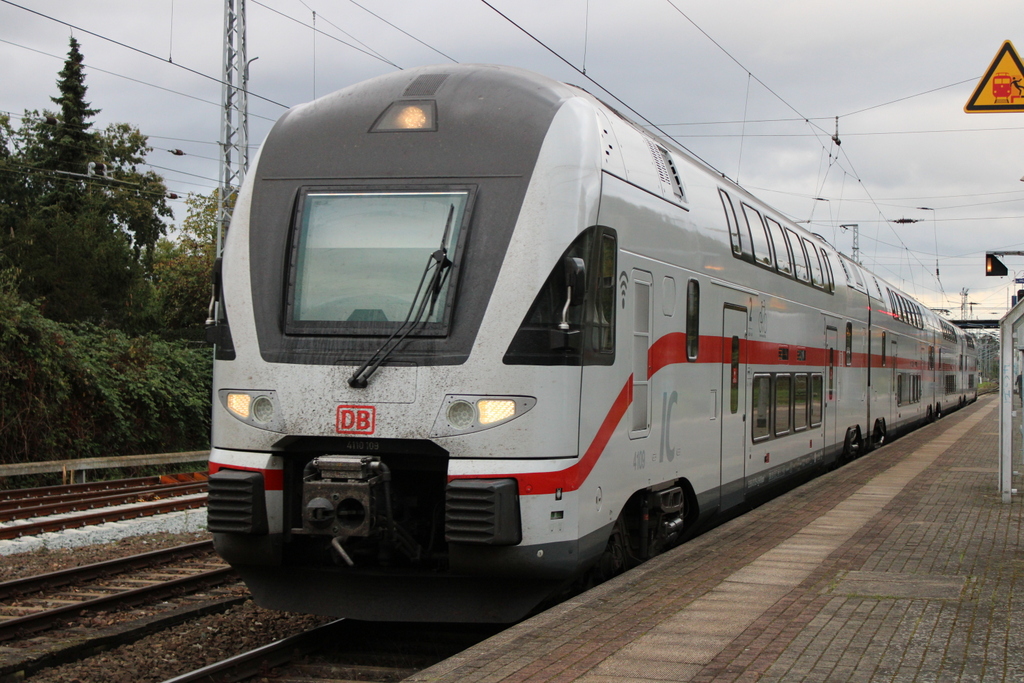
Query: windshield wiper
pixel 441 264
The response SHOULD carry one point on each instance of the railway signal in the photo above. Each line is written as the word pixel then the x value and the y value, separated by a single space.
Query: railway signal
pixel 993 266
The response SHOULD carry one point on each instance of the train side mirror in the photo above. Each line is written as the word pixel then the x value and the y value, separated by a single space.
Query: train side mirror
pixel 575 279
pixel 575 286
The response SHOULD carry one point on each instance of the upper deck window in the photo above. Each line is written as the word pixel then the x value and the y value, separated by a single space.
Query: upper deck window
pixel 803 271
pixel 365 262
pixel 783 254
pixel 758 236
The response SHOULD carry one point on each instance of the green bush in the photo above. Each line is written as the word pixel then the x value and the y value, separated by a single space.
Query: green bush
pixel 79 390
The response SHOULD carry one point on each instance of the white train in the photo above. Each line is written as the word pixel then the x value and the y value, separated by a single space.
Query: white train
pixel 484 337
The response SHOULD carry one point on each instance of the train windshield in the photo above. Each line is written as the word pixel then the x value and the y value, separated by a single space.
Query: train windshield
pixel 362 259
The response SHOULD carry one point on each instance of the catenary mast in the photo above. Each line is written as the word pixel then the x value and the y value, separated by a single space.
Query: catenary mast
pixel 235 114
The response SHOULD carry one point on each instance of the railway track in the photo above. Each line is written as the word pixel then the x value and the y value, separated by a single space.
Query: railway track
pixel 343 651
pixel 54 618
pixel 97 502
pixel 36 603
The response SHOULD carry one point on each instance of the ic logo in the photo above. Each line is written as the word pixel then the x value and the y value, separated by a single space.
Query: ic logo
pixel 356 420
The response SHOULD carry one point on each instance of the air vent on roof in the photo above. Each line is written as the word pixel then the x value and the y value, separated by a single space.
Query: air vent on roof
pixel 666 169
pixel 425 85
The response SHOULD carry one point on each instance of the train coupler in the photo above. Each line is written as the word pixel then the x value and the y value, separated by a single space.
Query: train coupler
pixel 349 496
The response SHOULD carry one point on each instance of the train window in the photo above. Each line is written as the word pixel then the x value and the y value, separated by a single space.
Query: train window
pixel 783 404
pixel 641 346
pixel 883 350
pixel 800 402
pixel 846 272
pixel 730 219
pixel 540 340
pixel 817 279
pixel 849 344
pixel 783 252
pixel 830 284
pixel 878 287
pixel 761 398
pixel 692 319
pixel 899 389
pixel 758 236
pixel 817 399
pixel 931 357
pixel 803 273
pixel 858 278
pixel 383 243
pixel 602 315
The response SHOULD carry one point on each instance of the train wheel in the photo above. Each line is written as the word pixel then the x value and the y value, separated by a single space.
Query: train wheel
pixel 853 446
pixel 613 560
pixel 878 435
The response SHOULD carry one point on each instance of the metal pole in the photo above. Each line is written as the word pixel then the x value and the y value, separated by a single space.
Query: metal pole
pixel 855 227
pixel 234 115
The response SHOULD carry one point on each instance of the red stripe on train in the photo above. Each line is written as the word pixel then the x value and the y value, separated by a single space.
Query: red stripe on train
pixel 670 349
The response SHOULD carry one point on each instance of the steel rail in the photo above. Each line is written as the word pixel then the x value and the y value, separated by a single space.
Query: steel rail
pixel 30 623
pixel 84 501
pixel 93 486
pixel 97 486
pixel 250 663
pixel 77 521
pixel 65 577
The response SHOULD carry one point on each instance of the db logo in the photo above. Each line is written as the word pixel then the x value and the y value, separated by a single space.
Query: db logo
pixel 356 419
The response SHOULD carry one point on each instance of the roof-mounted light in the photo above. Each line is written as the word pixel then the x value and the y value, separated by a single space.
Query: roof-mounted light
pixel 407 115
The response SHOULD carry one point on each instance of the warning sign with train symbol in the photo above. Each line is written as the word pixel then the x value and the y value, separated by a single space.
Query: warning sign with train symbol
pixel 1002 86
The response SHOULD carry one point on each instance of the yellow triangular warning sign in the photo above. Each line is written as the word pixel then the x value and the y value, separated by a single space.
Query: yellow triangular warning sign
pixel 1002 86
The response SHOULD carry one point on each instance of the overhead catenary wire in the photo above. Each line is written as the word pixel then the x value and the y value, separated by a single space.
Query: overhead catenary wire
pixel 138 50
pixel 369 52
pixel 129 78
pixel 403 31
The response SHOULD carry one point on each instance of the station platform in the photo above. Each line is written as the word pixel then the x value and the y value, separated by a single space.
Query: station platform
pixel 904 565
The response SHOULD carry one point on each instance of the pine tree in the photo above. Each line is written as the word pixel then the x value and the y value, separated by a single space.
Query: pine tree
pixel 82 243
pixel 73 145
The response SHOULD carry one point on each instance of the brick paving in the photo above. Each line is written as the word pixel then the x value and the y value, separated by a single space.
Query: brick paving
pixel 901 566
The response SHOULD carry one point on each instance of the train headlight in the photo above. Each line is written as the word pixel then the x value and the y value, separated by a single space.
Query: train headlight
pixel 465 414
pixel 407 115
pixel 461 414
pixel 239 404
pixel 495 410
pixel 256 408
pixel 262 409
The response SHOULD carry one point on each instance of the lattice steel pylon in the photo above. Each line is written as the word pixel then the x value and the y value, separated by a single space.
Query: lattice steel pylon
pixel 234 115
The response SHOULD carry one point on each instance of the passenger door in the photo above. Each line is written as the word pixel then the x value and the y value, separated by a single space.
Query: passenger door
pixel 831 382
pixel 733 458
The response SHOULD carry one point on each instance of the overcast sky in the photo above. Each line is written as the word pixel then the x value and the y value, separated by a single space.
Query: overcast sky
pixel 732 80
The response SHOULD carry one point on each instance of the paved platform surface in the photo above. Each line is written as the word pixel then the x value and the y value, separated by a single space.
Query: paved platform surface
pixel 901 566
